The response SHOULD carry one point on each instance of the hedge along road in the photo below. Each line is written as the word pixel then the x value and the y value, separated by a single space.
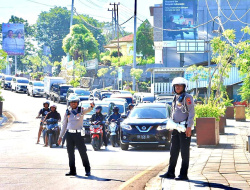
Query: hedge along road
pixel 26 165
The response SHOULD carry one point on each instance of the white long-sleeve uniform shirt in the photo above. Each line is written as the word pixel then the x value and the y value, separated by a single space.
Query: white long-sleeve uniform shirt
pixel 73 121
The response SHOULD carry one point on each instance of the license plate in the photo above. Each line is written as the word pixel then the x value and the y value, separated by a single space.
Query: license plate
pixel 143 136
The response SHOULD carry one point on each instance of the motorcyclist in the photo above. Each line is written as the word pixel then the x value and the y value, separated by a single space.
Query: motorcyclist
pixel 97 119
pixel 44 111
pixel 115 115
pixel 130 107
pixel 55 115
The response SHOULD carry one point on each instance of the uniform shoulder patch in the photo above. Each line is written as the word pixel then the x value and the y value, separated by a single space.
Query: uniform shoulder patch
pixel 189 102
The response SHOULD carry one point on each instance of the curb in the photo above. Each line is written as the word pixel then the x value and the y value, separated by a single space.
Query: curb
pixel 8 119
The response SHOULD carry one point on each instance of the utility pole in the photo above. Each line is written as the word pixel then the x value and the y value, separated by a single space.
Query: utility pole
pixel 114 9
pixel 118 31
pixel 72 13
pixel 116 24
pixel 112 22
pixel 71 23
pixel 134 61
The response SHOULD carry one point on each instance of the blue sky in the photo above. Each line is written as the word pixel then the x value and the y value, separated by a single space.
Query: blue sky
pixel 29 9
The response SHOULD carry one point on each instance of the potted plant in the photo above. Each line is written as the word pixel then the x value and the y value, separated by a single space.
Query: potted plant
pixel 229 113
pixel 207 124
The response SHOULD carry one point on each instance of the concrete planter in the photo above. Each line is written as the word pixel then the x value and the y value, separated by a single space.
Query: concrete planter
pixel 207 131
pixel 230 112
pixel 1 108
pixel 222 124
pixel 240 114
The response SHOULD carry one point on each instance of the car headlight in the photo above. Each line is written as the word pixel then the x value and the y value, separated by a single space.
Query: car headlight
pixel 162 127
pixel 127 127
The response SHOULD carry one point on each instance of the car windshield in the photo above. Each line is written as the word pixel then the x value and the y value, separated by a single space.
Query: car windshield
pixel 80 92
pixel 104 109
pixel 129 100
pixel 64 89
pixel 106 95
pixel 38 84
pixel 149 113
pixel 23 81
pixel 121 108
pixel 8 78
pixel 149 98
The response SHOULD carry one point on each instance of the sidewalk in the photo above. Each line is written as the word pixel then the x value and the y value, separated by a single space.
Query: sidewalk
pixel 225 166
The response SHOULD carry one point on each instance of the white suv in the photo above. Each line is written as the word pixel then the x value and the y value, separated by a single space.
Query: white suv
pixel 19 84
pixel 35 88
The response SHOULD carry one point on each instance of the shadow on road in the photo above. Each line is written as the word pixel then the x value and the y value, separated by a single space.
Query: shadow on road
pixel 97 178
pixel 211 185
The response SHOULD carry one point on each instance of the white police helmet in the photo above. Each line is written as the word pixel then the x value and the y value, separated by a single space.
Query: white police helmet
pixel 180 80
pixel 53 106
pixel 73 98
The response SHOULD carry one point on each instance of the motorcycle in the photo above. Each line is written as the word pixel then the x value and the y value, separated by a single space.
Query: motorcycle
pixel 113 132
pixel 51 130
pixel 96 133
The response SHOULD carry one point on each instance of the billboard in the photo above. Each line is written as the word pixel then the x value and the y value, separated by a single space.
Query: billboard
pixel 179 18
pixel 13 38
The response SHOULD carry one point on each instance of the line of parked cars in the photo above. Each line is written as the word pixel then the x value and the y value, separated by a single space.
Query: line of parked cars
pixel 145 125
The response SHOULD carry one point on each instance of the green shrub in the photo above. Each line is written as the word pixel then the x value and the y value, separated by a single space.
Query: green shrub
pixel 207 110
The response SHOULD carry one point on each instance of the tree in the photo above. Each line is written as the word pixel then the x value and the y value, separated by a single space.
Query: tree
pixel 3 56
pixel 145 40
pixel 52 27
pixel 137 74
pixel 101 72
pixel 80 43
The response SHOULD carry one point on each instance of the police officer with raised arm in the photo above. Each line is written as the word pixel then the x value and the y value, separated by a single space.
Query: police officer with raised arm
pixel 182 114
pixel 72 125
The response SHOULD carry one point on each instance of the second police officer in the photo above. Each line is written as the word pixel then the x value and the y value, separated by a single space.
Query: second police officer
pixel 182 111
pixel 72 125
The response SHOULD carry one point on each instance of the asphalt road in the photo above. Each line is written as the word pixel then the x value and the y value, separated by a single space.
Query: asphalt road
pixel 26 165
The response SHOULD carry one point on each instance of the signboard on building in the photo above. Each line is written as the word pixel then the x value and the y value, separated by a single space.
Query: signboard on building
pixel 13 38
pixel 190 46
pixel 179 20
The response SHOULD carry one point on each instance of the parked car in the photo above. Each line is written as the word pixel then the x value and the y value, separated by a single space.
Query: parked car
pixel 80 92
pixel 106 94
pixel 107 109
pixel 6 82
pixel 128 97
pixel 58 92
pixel 146 125
pixel 49 81
pixel 19 84
pixel 35 88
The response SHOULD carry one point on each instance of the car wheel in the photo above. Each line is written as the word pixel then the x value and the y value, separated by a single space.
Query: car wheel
pixel 124 146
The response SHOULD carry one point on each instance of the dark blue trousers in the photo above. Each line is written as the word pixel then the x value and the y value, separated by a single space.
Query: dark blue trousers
pixel 179 143
pixel 76 140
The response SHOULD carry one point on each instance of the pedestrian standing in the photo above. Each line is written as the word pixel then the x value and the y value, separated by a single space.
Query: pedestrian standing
pixel 72 125
pixel 182 112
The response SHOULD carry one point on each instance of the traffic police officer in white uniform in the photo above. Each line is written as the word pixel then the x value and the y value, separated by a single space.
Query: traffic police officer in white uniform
pixel 72 125
pixel 182 111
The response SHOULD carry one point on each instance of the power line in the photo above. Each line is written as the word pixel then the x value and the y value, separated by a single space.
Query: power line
pixel 235 14
pixel 126 21
pixel 41 3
